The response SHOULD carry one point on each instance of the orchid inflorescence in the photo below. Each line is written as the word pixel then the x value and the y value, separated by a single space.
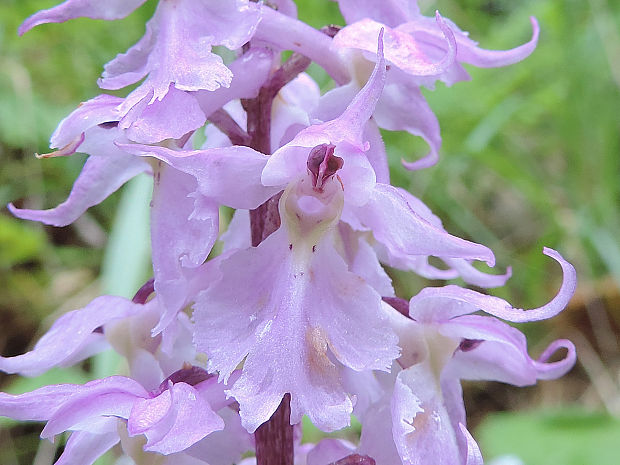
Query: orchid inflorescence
pixel 297 316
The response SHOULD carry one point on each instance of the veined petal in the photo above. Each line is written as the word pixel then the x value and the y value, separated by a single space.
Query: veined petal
pixel 474 456
pixel 92 405
pixel 430 36
pixel 181 237
pixel 99 178
pixel 500 353
pixel 420 423
pixel 96 9
pixel 403 108
pixel 174 420
pixel 471 275
pixel 396 224
pixel 216 170
pixel 171 118
pixel 98 110
pixel 441 304
pixel 390 12
pixel 250 72
pixel 293 313
pixel 69 335
pixel 401 49
pixel 328 451
pixel 177 48
pixel 37 405
pixel 85 448
pixel 225 446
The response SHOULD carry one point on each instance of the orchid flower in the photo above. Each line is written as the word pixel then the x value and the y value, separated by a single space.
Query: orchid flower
pixel 442 343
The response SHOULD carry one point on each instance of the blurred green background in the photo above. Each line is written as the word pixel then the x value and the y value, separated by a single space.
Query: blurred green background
pixel 530 158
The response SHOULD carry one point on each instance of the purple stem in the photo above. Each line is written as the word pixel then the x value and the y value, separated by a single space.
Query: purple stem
pixel 225 123
pixel 274 438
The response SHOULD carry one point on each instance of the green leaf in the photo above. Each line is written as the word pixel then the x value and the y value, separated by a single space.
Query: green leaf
pixel 567 437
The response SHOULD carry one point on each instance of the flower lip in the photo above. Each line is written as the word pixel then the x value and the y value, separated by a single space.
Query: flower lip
pixel 322 164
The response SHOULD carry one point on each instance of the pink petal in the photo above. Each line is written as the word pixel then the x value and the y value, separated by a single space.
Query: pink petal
pixel 502 354
pixel 249 73
pixel 279 315
pixel 37 405
pixel 437 304
pixel 420 423
pixel 428 34
pixel 402 107
pixel 177 48
pixel 402 230
pixel 216 170
pixel 101 109
pixel 69 335
pixel 472 275
pixel 181 237
pixel 171 118
pixel 90 407
pixel 174 420
pixel 390 12
pixel 474 456
pixel 85 448
pixel 401 49
pixel 328 451
pixel 96 9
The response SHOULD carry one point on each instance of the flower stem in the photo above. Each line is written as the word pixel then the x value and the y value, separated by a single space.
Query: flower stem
pixel 274 438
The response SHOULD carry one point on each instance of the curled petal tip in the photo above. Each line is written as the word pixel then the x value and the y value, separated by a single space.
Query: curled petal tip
pixel 569 284
pixel 553 370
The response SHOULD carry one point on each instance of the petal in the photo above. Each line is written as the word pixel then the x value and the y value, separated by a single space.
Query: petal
pixel 174 420
pixel 92 405
pixel 216 170
pixel 85 448
pixel 69 335
pixel 401 49
pixel 474 456
pixel 237 236
pixel 281 32
pixel 37 405
pixel 110 9
pixel 225 446
pixel 362 259
pixel 402 107
pixel 177 48
pixel 328 451
pixel 390 12
pixel 502 354
pixel 429 35
pixel 397 225
pixel 181 237
pixel 420 423
pixel 281 314
pixel 171 118
pixel 100 177
pixel 471 275
pixel 250 71
pixel 377 439
pixel 441 304
pixel 101 109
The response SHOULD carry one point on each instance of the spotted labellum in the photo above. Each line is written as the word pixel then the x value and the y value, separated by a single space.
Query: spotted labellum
pixel 295 315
